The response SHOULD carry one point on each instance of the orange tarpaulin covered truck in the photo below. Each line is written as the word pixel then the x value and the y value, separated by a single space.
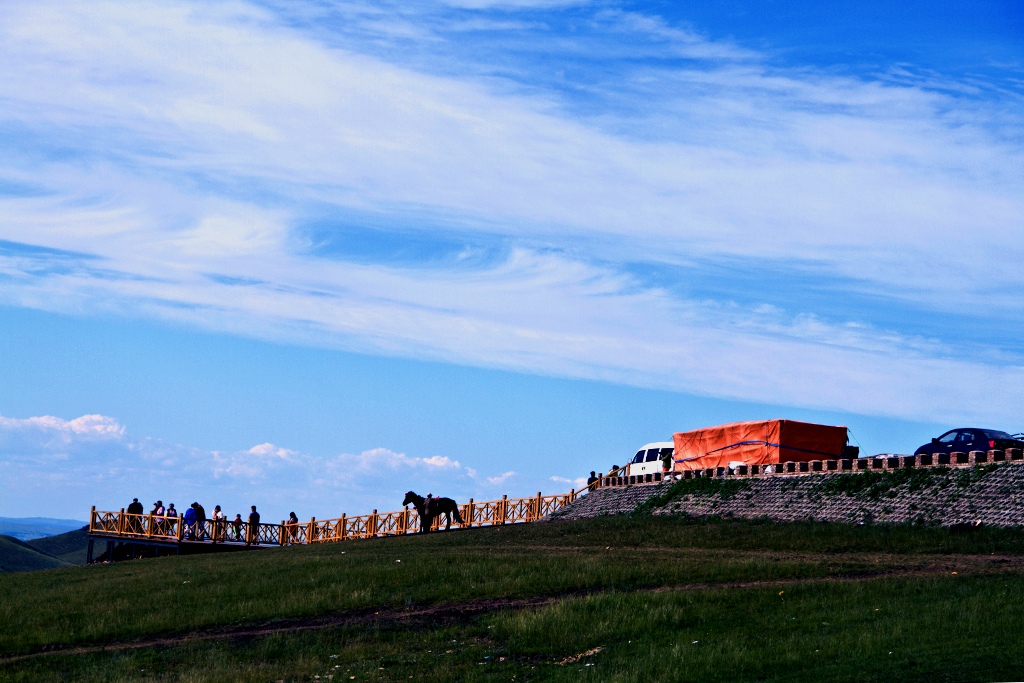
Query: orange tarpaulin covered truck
pixel 762 442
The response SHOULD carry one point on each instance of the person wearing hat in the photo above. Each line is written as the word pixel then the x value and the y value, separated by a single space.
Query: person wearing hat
pixel 172 514
pixel 157 513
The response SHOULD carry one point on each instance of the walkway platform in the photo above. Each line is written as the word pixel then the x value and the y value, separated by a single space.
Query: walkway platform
pixel 128 536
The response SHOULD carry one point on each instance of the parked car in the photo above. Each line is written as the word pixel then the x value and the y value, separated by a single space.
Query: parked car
pixel 966 440
pixel 648 459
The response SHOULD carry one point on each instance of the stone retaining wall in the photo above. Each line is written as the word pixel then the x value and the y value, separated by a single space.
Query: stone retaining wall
pixel 609 501
pixel 990 493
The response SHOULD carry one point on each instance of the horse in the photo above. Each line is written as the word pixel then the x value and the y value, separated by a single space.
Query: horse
pixel 438 506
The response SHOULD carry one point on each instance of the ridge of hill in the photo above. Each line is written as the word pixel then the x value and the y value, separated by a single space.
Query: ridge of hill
pixel 70 547
pixel 18 556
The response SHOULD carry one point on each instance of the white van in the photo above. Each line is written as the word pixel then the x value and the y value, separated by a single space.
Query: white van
pixel 648 459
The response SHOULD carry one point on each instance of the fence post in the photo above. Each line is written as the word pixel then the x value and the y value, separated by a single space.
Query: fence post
pixel 540 507
pixel 572 495
pixel 120 523
pixel 470 519
pixel 344 527
pixel 179 528
pixel 311 534
pixel 371 531
pixel 92 517
pixel 504 508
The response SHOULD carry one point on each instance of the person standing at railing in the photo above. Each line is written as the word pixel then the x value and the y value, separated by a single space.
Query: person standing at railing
pixel 591 481
pixel 189 520
pixel 253 535
pixel 158 516
pixel 135 508
pixel 219 518
pixel 200 521
pixel 236 525
pixel 293 528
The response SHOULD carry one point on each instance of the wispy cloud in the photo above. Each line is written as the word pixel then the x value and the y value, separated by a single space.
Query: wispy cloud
pixel 182 150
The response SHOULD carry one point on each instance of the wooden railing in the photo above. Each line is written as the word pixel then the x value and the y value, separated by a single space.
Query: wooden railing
pixel 165 529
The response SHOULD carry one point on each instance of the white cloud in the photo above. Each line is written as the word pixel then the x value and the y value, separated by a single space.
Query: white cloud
pixel 879 182
pixel 117 466
pixel 577 483
pixel 501 478
pixel 97 426
pixel 269 449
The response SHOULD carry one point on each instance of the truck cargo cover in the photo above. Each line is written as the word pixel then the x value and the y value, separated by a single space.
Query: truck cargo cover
pixel 757 443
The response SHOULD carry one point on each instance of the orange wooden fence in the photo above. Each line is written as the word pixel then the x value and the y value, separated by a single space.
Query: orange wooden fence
pixel 122 525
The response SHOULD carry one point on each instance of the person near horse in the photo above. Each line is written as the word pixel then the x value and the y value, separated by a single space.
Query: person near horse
pixel 293 528
pixel 430 508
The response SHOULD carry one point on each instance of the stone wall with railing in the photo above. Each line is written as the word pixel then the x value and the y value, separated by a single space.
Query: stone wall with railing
pixel 945 489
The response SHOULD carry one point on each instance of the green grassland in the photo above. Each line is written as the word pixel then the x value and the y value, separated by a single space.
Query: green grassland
pixel 649 598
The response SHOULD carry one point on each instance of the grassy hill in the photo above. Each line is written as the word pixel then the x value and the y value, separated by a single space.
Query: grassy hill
pixel 50 552
pixel 635 598
pixel 70 547
pixel 17 556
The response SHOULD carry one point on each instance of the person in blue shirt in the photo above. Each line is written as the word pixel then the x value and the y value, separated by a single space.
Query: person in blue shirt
pixel 190 521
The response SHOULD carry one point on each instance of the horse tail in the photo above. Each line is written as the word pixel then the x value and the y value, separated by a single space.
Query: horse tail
pixel 458 516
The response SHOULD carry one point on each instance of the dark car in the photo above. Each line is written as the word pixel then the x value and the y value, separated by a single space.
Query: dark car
pixel 967 440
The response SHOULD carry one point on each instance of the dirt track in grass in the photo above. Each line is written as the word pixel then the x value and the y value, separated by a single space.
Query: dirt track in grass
pixel 966 565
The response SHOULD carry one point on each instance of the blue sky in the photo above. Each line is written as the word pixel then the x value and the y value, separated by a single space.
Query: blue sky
pixel 311 254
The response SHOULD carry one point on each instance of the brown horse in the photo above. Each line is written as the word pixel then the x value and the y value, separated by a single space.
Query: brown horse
pixel 437 507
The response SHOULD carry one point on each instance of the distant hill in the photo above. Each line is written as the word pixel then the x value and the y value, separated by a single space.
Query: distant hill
pixel 29 528
pixel 69 547
pixel 18 556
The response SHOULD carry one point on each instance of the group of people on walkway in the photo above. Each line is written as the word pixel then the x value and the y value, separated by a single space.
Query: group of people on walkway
pixel 195 525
